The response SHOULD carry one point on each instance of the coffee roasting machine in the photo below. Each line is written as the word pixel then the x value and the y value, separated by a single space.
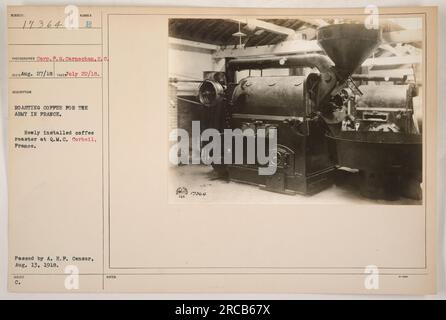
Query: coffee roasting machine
pixel 326 122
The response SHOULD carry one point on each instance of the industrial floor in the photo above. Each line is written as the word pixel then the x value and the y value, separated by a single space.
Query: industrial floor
pixel 202 184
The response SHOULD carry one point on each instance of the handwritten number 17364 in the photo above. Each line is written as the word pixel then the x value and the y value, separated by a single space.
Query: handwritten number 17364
pixel 41 24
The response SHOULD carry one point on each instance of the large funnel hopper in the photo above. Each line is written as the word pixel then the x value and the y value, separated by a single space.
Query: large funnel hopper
pixel 348 45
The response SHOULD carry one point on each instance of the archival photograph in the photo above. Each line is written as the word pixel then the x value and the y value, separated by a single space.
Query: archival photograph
pixel 296 109
pixel 223 150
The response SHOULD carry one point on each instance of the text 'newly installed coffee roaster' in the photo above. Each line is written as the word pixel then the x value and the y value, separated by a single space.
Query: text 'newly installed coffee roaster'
pixel 328 123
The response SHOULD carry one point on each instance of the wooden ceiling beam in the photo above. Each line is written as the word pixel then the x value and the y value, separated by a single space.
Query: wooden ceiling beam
pixel 268 26
pixel 314 22
pixel 192 44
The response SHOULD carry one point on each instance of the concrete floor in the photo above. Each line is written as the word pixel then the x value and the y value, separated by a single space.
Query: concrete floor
pixel 203 186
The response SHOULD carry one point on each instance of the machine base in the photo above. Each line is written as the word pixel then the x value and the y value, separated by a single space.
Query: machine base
pixel 379 185
pixel 282 183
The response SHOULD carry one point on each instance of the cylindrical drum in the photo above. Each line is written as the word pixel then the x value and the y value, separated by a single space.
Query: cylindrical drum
pixel 386 96
pixel 272 95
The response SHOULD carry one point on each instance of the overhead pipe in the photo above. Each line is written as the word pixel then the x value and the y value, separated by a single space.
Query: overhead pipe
pixel 322 63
